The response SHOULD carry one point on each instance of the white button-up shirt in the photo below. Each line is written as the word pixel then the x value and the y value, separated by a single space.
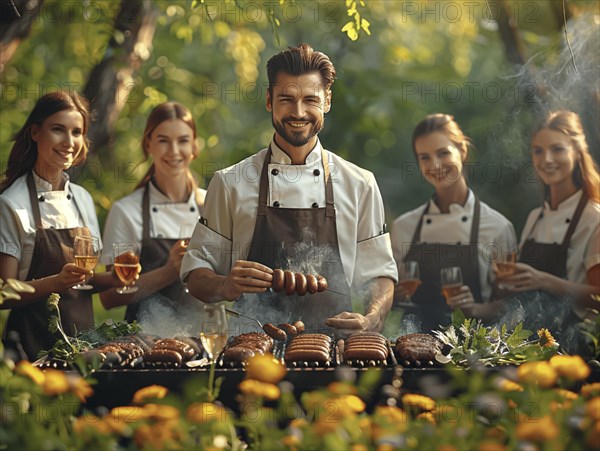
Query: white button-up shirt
pixel 454 227
pixel 232 202
pixel 58 210
pixel 584 250
pixel 124 223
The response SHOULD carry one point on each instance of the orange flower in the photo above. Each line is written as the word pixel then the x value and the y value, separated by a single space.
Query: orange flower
pixel 352 403
pixel 426 416
pixel 161 412
pixel 539 373
pixel 570 366
pixel 537 429
pixel 358 447
pixel 128 414
pixel 204 412
pixel 90 422
pixel 508 385
pixel 593 436
pixel 27 369
pixel 261 389
pixel 567 395
pixel 80 387
pixel 589 390
pixel 55 383
pixel 291 441
pixel 592 408
pixel 341 388
pixel 487 445
pixel 149 392
pixel 265 368
pixel 418 402
pixel 446 448
pixel 396 415
pixel 163 435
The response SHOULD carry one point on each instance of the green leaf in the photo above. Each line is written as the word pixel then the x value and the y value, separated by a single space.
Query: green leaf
pixel 9 293
pixel 458 318
pixel 21 287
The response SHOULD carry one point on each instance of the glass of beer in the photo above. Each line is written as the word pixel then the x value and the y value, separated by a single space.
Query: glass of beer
pixel 86 251
pixel 409 279
pixel 213 333
pixel 126 260
pixel 505 258
pixel 451 281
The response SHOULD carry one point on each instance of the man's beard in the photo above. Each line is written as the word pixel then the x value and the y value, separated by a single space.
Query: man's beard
pixel 297 139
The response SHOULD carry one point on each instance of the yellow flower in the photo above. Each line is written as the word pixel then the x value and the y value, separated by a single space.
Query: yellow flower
pixel 358 447
pixel 539 373
pixel 204 412
pixel 80 387
pixel 55 383
pixel 265 368
pixel 353 403
pixel 385 447
pixel 113 424
pixel 290 441
pixel 150 392
pixel 487 445
pixel 567 395
pixel 447 448
pixel 324 426
pixel 90 422
pixel 546 338
pixel 128 414
pixel 418 402
pixel 537 429
pixel 593 436
pixel 589 390
pixel 341 388
pixel 27 369
pixel 396 415
pixel 592 408
pixel 570 366
pixel 261 389
pixel 161 412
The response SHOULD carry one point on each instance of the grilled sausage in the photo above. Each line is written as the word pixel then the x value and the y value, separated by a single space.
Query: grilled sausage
pixel 322 283
pixel 288 329
pixel 315 335
pixel 301 284
pixel 290 283
pixel 364 354
pixel 275 332
pixel 238 354
pixel 306 356
pixel 312 284
pixel 278 280
pixel 175 345
pixel 308 347
pixel 163 355
pixel 299 325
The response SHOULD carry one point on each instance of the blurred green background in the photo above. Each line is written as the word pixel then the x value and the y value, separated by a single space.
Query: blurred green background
pixel 494 65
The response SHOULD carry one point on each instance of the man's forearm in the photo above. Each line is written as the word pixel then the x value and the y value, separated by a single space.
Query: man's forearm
pixel 382 295
pixel 205 285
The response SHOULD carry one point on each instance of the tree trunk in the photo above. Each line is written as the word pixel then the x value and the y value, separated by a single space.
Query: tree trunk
pixel 111 82
pixel 508 31
pixel 16 18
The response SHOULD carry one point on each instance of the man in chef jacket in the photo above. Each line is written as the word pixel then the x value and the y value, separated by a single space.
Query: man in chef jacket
pixel 299 207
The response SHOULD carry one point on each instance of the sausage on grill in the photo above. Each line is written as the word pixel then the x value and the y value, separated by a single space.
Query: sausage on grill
pixel 164 356
pixel 322 283
pixel 289 329
pixel 307 355
pixel 278 280
pixel 312 284
pixel 275 332
pixel 290 282
pixel 301 284
pixel 299 325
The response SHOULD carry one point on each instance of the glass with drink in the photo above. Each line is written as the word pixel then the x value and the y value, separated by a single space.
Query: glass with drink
pixel 126 261
pixel 409 280
pixel 213 333
pixel 86 251
pixel 505 258
pixel 451 281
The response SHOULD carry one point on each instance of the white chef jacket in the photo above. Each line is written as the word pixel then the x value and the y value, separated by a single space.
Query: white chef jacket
pixel 59 211
pixel 584 250
pixel 455 227
pixel 232 203
pixel 124 222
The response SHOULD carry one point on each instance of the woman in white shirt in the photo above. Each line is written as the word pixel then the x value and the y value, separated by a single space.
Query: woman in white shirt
pixel 560 244
pixel 153 216
pixel 42 212
pixel 454 228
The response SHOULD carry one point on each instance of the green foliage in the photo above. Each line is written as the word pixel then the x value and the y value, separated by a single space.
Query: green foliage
pixel 11 289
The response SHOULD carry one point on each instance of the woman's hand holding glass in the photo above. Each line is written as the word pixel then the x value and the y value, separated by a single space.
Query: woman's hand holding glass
pixel 86 251
pixel 457 295
pixel 504 261
pixel 409 282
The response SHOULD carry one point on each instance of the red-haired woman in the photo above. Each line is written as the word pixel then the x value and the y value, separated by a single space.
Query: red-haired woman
pixel 454 228
pixel 560 243
pixel 42 212
pixel 152 216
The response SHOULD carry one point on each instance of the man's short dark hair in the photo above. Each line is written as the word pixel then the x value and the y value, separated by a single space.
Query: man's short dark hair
pixel 299 61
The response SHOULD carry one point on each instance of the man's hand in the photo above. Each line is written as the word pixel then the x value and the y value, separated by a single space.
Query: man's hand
pixel 348 323
pixel 464 300
pixel 246 277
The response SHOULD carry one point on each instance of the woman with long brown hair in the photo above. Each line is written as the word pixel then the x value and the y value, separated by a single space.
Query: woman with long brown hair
pixel 42 212
pixel 152 216
pixel 453 229
pixel 560 243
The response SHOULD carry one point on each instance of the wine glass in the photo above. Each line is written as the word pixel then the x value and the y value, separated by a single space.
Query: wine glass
pixel 126 260
pixel 505 259
pixel 213 333
pixel 451 281
pixel 86 251
pixel 408 276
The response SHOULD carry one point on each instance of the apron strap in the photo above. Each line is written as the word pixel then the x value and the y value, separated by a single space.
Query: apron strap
pixel 417 235
pixel 329 205
pixel 146 213
pixel 575 219
pixel 35 208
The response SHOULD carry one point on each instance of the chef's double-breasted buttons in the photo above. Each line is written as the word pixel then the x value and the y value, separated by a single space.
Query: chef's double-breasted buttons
pixel 42 199
pixel 315 205
pixel 428 221
pixel 274 171
pixel 316 172
pixel 154 210
pixel 276 204
pixel 464 219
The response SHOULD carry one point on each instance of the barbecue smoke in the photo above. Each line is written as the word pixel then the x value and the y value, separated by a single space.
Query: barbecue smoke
pixel 158 315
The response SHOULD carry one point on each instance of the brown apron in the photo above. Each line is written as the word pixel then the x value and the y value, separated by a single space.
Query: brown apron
pixel 173 300
pixel 431 307
pixel 53 249
pixel 552 258
pixel 302 240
